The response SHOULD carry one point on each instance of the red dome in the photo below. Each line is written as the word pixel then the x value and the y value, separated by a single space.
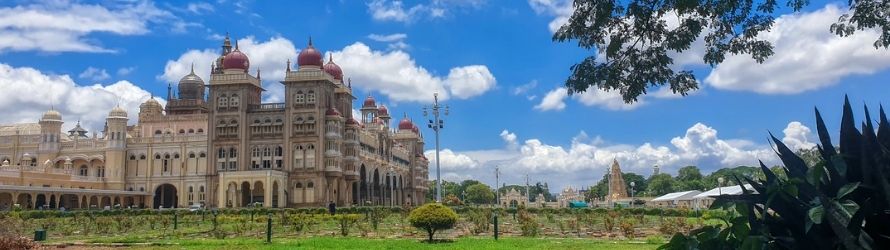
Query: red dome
pixel 236 60
pixel 333 69
pixel 415 129
pixel 309 56
pixel 382 110
pixel 351 121
pixel 406 124
pixel 369 102
pixel 332 111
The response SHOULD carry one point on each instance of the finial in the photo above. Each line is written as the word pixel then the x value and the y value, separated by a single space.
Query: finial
pixel 288 65
pixel 236 44
pixel 349 81
pixel 258 73
pixel 193 68
pixel 331 58
pixel 310 41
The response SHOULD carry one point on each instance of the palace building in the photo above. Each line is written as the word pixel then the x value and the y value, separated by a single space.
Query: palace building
pixel 215 144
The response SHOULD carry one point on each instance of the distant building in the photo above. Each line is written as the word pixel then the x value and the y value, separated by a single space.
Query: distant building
pixel 617 187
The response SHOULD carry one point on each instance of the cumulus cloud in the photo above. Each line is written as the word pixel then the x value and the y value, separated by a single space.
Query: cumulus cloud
pixel 396 75
pixel 451 160
pixel 28 93
pixel 610 100
pixel 807 57
pixel 269 56
pixel 797 136
pixel 63 26
pixel 553 100
pixel 94 74
pixel 584 159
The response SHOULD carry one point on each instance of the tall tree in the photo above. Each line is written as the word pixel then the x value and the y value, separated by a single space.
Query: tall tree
pixel 689 178
pixel 634 39
pixel 660 184
pixel 479 194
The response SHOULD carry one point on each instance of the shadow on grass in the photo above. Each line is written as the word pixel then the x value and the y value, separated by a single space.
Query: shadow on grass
pixel 437 241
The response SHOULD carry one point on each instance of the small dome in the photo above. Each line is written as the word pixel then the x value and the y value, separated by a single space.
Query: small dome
pixel 309 56
pixel 117 112
pixel 333 69
pixel 332 112
pixel 352 121
pixel 382 111
pixel 52 115
pixel 415 129
pixel 406 124
pixel 191 86
pixel 236 60
pixel 151 102
pixel 369 102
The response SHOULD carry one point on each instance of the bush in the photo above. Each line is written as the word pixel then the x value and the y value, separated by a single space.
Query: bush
pixel 345 221
pixel 432 217
pixel 9 241
pixel 528 224
pixel 376 215
pixel 627 227
pixel 481 219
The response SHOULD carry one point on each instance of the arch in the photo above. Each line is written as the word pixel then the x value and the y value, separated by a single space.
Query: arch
pixel 246 198
pixel 165 196
pixel 200 131
pixel 191 131
pixel 258 192
pixel 182 131
pixel 274 198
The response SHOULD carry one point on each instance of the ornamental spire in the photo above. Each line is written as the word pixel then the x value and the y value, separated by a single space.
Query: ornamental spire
pixel 288 65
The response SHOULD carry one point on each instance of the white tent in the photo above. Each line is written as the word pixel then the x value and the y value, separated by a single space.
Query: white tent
pixel 676 199
pixel 728 190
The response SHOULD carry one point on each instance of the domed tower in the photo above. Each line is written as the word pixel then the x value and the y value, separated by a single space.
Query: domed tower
pixel 191 86
pixel 50 136
pixel 226 49
pixel 115 147
pixel 351 150
pixel 334 70
pixel 383 114
pixel 309 57
pixel 151 108
pixel 369 110
pixel 236 60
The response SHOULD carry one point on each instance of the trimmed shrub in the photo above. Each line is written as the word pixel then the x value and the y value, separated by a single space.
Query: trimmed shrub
pixel 432 217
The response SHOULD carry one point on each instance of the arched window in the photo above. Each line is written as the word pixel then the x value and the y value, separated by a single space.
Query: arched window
pixel 84 171
pixel 157 156
pixel 192 155
pixel 142 157
pixel 176 156
pixel 310 185
pixel 221 154
pixel 200 131
pixel 132 157
pixel 100 172
pixel 182 131
pixel 298 157
pixel 310 156
pixel 299 185
pixel 278 151
pixel 202 155
pixel 157 132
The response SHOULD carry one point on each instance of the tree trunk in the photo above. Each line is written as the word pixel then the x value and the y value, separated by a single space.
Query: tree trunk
pixel 430 232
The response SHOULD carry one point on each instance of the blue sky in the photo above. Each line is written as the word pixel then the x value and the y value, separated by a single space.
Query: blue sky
pixel 494 61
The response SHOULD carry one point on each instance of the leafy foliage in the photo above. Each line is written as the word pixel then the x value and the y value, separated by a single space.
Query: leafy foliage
pixel 840 202
pixel 432 217
pixel 636 40
pixel 479 194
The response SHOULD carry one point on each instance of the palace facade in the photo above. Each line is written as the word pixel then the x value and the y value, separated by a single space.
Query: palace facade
pixel 223 148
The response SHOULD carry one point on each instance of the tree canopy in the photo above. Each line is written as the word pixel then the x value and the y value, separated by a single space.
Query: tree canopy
pixel 635 41
pixel 479 194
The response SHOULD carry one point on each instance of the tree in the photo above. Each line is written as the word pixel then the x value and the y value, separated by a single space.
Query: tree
pixel 640 183
pixel 689 178
pixel 660 184
pixel 432 217
pixel 634 39
pixel 479 194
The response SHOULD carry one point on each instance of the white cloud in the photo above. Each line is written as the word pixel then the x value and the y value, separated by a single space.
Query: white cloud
pixel 451 160
pixel 388 38
pixel 396 75
pixel 561 10
pixel 28 93
pixel 394 10
pixel 94 74
pixel 807 57
pixel 584 160
pixel 125 71
pixel 522 89
pixel 554 100
pixel 797 136
pixel 269 56
pixel 610 100
pixel 200 7
pixel 63 26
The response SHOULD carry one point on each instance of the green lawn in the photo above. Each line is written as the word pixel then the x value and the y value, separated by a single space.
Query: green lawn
pixel 361 243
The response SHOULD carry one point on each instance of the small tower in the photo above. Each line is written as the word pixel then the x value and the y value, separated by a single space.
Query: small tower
pixel 115 147
pixel 656 170
pixel 369 110
pixel 50 136
pixel 617 188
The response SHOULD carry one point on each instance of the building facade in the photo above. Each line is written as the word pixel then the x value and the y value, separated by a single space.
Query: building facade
pixel 216 144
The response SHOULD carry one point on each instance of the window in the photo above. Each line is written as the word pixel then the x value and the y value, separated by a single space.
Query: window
pixel 310 185
pixel 232 165
pixel 221 154
pixel 298 157
pixel 310 157
pixel 192 155
pixel 157 132
pixel 191 131
pixel 278 151
pixel 100 172
pixel 222 101
pixel 176 156
pixel 142 157
pixel 84 171
pixel 233 153
pixel 299 98
pixel 157 156
pixel 182 131
pixel 310 97
pixel 202 155
pixel 132 157
pixel 234 101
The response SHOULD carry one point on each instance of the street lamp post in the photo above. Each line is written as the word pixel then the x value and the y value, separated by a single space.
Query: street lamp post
pixel 720 185
pixel 632 184
pixel 436 124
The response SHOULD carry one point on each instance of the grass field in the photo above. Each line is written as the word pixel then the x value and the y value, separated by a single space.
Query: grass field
pixel 363 243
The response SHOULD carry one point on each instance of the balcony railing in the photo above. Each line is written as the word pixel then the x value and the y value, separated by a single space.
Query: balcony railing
pixel 266 107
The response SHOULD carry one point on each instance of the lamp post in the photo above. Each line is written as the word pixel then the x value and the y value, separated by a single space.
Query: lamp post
pixel 720 185
pixel 632 184
pixel 497 192
pixel 436 124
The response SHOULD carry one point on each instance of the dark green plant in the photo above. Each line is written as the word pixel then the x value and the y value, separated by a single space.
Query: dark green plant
pixel 432 217
pixel 841 201
pixel 376 215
